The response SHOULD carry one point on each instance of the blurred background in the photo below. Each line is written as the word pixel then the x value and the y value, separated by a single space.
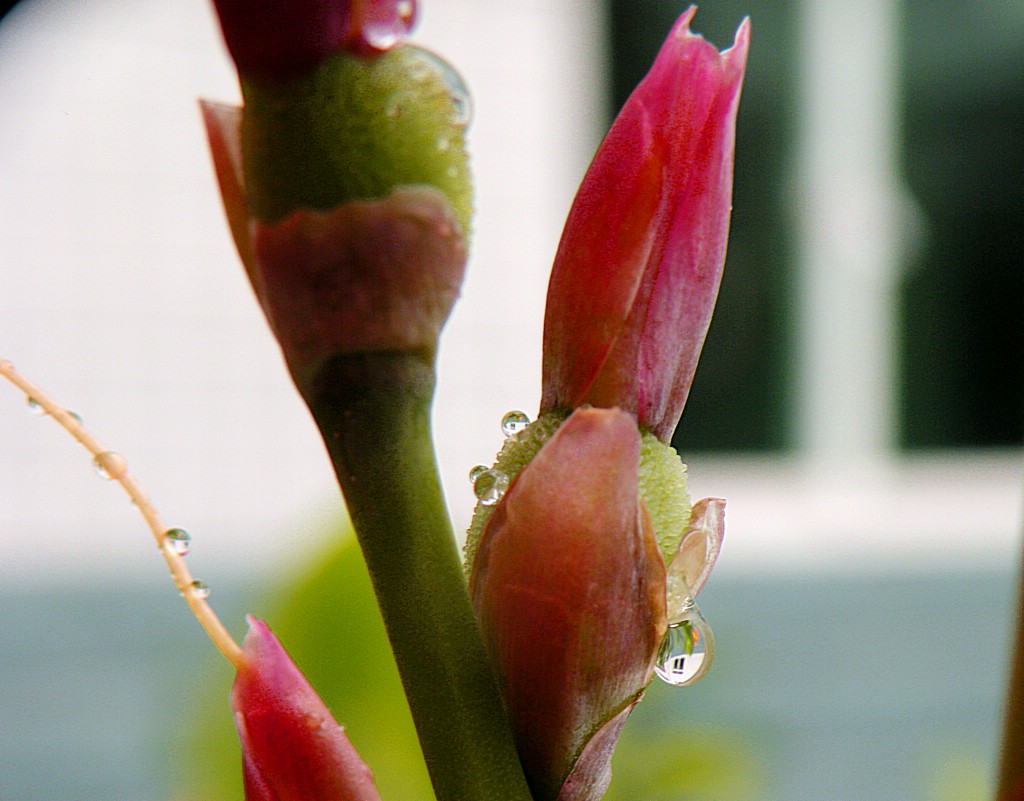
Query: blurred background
pixel 859 401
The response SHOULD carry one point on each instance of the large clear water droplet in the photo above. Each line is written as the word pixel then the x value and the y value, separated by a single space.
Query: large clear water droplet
pixel 179 540
pixel 490 486
pixel 109 465
pixel 200 589
pixel 687 651
pixel 513 422
pixel 458 93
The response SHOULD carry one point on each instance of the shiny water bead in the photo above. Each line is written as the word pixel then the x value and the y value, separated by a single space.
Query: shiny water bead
pixel 475 471
pixel 179 540
pixel 200 589
pixel 489 486
pixel 383 31
pixel 513 422
pixel 74 416
pixel 109 465
pixel 458 93
pixel 687 651
pixel 35 407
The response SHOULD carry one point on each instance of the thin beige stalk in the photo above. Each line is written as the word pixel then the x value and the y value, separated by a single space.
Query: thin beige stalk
pixel 115 468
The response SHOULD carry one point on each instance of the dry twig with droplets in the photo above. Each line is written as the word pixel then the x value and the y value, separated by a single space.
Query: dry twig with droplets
pixel 172 542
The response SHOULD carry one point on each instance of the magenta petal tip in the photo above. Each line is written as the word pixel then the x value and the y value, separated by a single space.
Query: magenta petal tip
pixel 292 747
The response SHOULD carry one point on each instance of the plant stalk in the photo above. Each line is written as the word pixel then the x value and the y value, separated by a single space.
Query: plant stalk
pixel 373 410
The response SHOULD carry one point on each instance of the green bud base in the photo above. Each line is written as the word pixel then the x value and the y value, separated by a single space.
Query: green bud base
pixel 356 129
pixel 662 483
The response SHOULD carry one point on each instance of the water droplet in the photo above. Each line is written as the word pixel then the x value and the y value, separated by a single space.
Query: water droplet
pixel 458 93
pixel 687 651
pixel 384 28
pixel 452 171
pixel 489 486
pixel 109 465
pixel 179 540
pixel 513 422
pixel 444 144
pixel 199 588
pixel 381 37
pixel 393 110
pixel 475 471
pixel 74 416
pixel 35 407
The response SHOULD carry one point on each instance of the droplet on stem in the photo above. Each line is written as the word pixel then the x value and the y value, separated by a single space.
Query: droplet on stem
pixel 200 589
pixel 179 540
pixel 109 465
pixel 490 486
pixel 35 407
pixel 513 422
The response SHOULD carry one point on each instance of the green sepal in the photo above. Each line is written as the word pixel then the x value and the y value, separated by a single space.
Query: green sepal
pixel 356 129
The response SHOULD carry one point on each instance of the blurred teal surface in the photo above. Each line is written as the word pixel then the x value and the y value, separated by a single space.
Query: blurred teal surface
pixel 823 688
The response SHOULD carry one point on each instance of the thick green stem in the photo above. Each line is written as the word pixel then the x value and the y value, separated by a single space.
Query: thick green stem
pixel 374 412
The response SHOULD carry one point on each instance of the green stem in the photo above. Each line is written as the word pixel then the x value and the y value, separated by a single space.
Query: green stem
pixel 373 410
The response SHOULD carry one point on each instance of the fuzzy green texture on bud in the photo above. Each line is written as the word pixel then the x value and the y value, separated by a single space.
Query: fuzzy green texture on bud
pixel 662 483
pixel 356 129
pixel 663 488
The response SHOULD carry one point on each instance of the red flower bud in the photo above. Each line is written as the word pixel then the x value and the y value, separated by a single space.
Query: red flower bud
pixel 281 38
pixel 569 587
pixel 292 747
pixel 638 268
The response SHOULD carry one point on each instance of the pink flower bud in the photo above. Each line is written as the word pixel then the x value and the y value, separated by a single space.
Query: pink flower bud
pixel 292 747
pixel 638 268
pixel 281 38
pixel 569 587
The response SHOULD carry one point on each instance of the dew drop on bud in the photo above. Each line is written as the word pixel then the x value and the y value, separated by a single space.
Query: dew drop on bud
pixel 199 589
pixel 475 471
pixel 686 654
pixel 179 540
pixel 35 407
pixel 489 486
pixel 109 465
pixel 514 422
pixel 458 93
